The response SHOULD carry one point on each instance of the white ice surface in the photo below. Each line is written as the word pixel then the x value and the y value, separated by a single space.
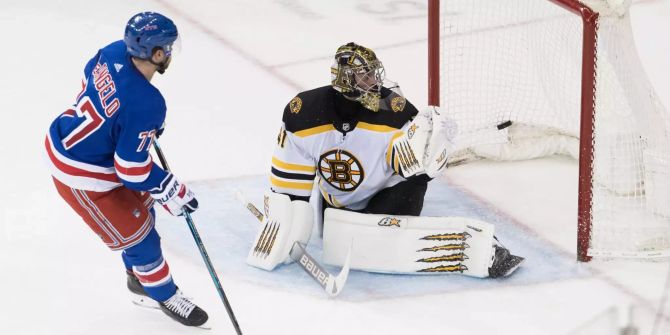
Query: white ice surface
pixel 241 61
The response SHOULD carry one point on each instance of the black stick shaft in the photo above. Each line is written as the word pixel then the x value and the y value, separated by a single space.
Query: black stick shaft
pixel 203 251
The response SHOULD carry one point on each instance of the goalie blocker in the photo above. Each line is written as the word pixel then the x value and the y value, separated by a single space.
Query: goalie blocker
pixel 285 222
pixel 415 245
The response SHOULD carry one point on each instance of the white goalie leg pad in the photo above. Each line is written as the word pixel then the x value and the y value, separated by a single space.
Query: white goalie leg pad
pixel 301 228
pixel 285 222
pixel 408 244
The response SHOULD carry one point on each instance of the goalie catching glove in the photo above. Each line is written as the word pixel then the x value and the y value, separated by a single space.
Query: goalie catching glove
pixel 174 196
pixel 284 223
pixel 423 145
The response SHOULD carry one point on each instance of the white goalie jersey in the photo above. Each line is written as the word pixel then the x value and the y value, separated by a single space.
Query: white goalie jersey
pixel 337 143
pixel 353 153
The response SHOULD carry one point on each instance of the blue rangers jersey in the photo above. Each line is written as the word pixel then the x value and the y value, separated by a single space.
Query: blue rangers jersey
pixel 103 141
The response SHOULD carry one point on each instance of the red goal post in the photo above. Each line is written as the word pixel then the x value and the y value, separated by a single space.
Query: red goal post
pixel 589 90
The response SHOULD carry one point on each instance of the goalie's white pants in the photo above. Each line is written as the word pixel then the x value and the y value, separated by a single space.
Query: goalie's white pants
pixel 408 244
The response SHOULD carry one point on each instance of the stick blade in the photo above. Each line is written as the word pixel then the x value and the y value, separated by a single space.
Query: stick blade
pixel 336 284
pixel 332 285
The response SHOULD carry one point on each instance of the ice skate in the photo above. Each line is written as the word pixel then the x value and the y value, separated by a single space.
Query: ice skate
pixel 181 309
pixel 139 296
pixel 504 263
pixel 177 307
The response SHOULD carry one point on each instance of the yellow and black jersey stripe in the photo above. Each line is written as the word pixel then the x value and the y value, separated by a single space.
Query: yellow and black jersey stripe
pixel 331 199
pixel 349 145
pixel 291 178
pixel 323 109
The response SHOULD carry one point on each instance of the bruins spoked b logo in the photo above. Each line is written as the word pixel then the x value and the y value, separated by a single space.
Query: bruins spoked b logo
pixel 295 105
pixel 341 170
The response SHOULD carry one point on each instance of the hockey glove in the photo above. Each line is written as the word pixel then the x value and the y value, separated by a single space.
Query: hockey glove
pixel 408 146
pixel 422 146
pixel 174 196
pixel 285 223
pixel 440 143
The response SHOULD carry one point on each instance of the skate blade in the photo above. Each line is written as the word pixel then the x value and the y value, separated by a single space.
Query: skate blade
pixel 143 301
pixel 204 326
pixel 514 263
pixel 146 302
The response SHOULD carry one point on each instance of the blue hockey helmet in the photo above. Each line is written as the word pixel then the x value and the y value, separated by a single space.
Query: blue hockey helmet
pixel 149 30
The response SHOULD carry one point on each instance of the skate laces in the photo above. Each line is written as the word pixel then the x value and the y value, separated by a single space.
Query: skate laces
pixel 180 304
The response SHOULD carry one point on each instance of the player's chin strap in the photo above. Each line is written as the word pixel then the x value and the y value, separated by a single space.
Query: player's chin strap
pixel 160 67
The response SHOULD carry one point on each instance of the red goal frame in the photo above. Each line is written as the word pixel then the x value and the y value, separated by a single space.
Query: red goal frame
pixel 588 89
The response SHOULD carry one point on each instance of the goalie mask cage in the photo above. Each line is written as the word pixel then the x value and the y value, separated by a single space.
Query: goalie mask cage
pixel 562 71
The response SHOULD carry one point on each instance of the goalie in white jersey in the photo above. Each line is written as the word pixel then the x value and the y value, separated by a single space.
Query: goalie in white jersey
pixel 343 134
pixel 369 151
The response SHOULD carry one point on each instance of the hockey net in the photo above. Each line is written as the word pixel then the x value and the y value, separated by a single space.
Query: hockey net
pixel 530 78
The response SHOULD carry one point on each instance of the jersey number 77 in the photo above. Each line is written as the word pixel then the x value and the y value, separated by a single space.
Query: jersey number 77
pixel 93 121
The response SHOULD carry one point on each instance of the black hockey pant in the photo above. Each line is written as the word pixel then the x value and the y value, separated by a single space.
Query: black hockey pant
pixel 404 198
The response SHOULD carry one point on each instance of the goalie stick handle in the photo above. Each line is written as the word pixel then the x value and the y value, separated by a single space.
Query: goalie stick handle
pixel 203 251
pixel 248 205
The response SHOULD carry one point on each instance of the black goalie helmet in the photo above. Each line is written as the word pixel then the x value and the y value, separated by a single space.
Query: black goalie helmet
pixel 358 74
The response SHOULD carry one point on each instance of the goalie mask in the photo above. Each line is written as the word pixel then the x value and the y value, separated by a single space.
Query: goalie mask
pixel 358 74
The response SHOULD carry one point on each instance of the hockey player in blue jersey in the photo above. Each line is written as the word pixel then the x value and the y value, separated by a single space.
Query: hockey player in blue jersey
pixel 98 153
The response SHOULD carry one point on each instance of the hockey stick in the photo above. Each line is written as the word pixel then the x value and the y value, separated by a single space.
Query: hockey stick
pixel 203 252
pixel 331 284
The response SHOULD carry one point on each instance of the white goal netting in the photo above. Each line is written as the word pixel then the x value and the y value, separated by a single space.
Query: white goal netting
pixel 521 61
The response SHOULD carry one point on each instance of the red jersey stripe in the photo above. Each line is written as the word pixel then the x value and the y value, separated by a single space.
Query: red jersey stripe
pixel 133 171
pixel 159 275
pixel 75 171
